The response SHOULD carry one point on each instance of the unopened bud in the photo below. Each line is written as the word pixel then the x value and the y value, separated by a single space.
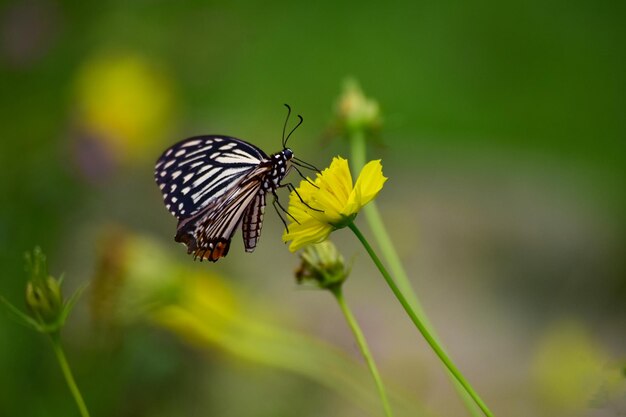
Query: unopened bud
pixel 355 111
pixel 44 299
pixel 43 292
pixel 323 265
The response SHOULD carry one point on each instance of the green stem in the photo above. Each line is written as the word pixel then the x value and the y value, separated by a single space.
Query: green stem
pixel 360 338
pixel 419 324
pixel 358 146
pixel 375 222
pixel 67 373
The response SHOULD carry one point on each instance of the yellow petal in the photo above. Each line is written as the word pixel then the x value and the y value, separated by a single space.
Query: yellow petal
pixel 335 185
pixel 306 233
pixel 339 178
pixel 368 185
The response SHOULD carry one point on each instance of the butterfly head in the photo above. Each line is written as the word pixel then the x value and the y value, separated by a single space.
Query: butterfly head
pixel 281 164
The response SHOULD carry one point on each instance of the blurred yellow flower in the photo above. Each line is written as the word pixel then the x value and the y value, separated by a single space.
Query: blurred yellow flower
pixel 330 202
pixel 572 372
pixel 125 101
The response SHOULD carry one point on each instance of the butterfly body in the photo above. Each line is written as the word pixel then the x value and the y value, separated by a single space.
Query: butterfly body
pixel 214 183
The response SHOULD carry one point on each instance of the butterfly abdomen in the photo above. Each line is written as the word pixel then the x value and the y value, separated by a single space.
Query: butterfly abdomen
pixel 252 222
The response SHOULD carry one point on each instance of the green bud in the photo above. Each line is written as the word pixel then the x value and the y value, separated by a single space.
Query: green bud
pixel 45 300
pixel 43 292
pixel 323 265
pixel 355 112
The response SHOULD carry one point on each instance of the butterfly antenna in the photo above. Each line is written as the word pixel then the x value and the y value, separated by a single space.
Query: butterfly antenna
pixel 285 125
pixel 293 130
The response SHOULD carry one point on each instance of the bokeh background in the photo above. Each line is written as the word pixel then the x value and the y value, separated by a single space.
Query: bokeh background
pixel 504 141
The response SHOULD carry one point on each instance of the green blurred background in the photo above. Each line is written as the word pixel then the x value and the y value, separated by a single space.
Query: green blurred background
pixel 504 139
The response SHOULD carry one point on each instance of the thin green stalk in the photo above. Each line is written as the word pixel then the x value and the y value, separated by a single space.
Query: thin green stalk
pixel 358 146
pixel 375 222
pixel 419 324
pixel 67 373
pixel 360 338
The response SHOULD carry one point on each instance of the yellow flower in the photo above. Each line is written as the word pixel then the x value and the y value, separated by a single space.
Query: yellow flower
pixel 126 101
pixel 571 371
pixel 332 203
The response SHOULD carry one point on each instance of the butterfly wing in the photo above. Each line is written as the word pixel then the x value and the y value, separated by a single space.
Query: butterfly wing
pixel 208 234
pixel 195 172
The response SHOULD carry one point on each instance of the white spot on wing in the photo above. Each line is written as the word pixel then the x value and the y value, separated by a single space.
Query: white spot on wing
pixel 227 146
pixel 205 177
pixel 204 168
pixel 169 163
pixel 176 174
pixel 191 143
pixel 185 190
pixel 187 177
pixel 180 153
pixel 243 153
pixel 199 150
pixel 230 159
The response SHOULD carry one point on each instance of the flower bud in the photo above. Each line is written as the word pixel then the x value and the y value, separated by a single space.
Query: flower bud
pixel 323 265
pixel 355 111
pixel 45 299
pixel 43 292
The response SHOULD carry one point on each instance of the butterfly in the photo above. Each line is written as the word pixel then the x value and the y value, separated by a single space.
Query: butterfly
pixel 214 183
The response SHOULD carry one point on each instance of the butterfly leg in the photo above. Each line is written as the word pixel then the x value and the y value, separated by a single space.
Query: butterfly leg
pixel 303 177
pixel 305 164
pixel 282 219
pixel 277 205
pixel 291 187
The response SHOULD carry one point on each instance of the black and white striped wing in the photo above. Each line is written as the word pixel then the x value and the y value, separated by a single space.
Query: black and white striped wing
pixel 208 234
pixel 197 171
